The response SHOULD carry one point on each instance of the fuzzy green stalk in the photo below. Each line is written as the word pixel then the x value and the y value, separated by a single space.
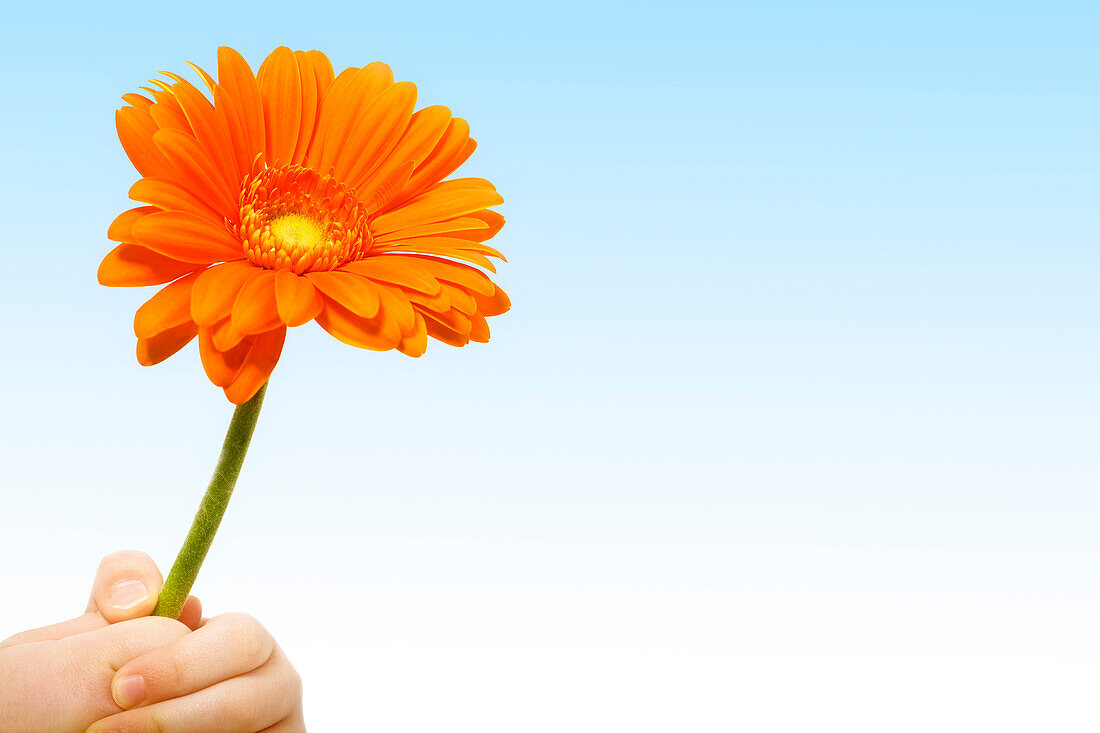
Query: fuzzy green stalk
pixel 186 568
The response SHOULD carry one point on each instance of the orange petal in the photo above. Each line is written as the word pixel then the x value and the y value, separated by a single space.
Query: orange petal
pixel 424 131
pixel 461 301
pixel 225 112
pixel 186 237
pixel 441 245
pixel 452 272
pixel 239 83
pixel 340 111
pixel 415 343
pixel 493 221
pixel 322 70
pixel 136 100
pixel 170 196
pixel 479 329
pixel 119 231
pixel 377 132
pixel 296 300
pixel 311 104
pixel 131 265
pixel 452 319
pixel 206 78
pixel 355 293
pixel 426 245
pixel 450 227
pixel 135 131
pixel 281 91
pixel 225 337
pixel 452 150
pixel 332 101
pixel 221 367
pixel 167 113
pixel 194 169
pixel 243 152
pixel 217 288
pixel 157 348
pixel 395 305
pixel 493 305
pixel 255 310
pixel 440 302
pixel 315 71
pixel 209 130
pixel 443 333
pixel 364 333
pixel 170 307
pixel 382 190
pixel 466 248
pixel 446 200
pixel 262 357
pixel 395 271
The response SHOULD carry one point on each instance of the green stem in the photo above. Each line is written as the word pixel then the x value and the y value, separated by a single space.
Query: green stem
pixel 209 516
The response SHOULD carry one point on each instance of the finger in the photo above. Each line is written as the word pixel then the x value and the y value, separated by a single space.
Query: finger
pixel 69 680
pixel 126 586
pixel 88 622
pixel 249 703
pixel 191 615
pixel 115 645
pixel 229 645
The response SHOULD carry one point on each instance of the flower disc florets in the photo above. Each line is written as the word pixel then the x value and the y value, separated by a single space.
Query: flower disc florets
pixel 294 218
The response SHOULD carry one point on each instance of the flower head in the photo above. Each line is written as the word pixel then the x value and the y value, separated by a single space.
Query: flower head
pixel 295 195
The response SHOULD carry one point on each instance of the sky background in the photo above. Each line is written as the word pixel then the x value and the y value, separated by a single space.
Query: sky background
pixel 793 425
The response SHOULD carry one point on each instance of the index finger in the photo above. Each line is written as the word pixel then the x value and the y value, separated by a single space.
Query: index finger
pixel 227 646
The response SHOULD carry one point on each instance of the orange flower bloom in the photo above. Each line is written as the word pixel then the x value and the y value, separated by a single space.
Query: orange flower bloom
pixel 297 195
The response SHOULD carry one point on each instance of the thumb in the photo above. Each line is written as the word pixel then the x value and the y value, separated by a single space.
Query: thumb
pixel 126 586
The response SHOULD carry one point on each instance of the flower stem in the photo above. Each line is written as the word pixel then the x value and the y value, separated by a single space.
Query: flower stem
pixel 186 568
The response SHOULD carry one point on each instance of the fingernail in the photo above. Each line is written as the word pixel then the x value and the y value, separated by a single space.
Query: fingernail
pixel 127 594
pixel 129 690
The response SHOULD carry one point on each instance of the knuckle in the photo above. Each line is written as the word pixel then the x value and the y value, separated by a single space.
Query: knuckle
pixel 250 634
pixel 239 623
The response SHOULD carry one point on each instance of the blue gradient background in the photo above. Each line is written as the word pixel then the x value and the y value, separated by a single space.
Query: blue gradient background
pixel 793 425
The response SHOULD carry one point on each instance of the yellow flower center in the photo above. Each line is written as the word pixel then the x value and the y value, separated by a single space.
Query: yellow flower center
pixel 296 230
pixel 294 218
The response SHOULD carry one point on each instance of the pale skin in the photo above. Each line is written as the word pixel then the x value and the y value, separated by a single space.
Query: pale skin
pixel 116 669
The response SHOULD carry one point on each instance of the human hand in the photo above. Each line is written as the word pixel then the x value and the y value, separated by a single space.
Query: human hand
pixel 228 675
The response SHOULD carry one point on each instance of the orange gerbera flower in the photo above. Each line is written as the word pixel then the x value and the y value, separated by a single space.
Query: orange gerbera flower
pixel 297 195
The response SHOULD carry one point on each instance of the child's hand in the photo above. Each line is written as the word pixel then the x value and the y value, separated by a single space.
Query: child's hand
pixel 228 675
